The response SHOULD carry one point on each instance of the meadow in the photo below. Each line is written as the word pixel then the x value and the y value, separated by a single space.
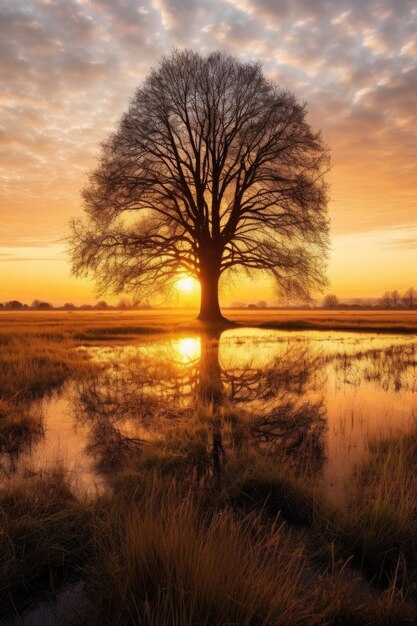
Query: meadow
pixel 217 488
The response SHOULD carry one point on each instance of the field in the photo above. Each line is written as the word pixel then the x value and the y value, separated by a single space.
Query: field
pixel 208 467
pixel 162 320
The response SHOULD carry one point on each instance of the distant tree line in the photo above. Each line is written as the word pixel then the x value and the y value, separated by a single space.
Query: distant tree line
pixel 390 300
pixel 395 300
pixel 40 305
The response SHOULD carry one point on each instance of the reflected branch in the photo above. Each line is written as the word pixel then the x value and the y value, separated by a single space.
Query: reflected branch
pixel 134 399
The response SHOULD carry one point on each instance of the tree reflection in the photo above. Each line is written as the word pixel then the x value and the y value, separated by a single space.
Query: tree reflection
pixel 210 391
pixel 17 435
pixel 135 398
pixel 243 391
pixel 392 369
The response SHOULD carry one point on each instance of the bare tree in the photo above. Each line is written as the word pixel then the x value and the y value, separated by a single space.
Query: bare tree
pixel 213 168
pixel 14 305
pixel 410 297
pixel 101 305
pixel 395 296
pixel 386 300
pixel 330 301
pixel 40 305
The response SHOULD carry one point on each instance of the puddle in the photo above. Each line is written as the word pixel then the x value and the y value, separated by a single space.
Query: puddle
pixel 325 392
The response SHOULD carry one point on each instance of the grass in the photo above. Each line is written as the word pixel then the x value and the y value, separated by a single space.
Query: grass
pixel 376 530
pixel 159 555
pixel 172 542
pixel 381 520
pixel 18 430
pixel 375 533
pixel 43 541
pixel 95 325
pixel 264 486
pixel 33 362
pixel 33 365
pixel 162 558
pixel 181 548
pixel 170 554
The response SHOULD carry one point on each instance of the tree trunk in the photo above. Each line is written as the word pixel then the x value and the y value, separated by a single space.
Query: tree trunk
pixel 210 389
pixel 211 393
pixel 209 305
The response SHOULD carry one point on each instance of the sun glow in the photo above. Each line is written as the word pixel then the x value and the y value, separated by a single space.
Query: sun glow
pixel 188 284
pixel 189 349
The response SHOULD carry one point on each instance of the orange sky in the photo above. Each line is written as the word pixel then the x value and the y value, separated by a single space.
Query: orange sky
pixel 68 68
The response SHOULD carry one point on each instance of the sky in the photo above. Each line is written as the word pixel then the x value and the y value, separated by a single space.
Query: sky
pixel 69 67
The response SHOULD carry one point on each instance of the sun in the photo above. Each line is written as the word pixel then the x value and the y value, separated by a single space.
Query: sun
pixel 188 284
pixel 189 349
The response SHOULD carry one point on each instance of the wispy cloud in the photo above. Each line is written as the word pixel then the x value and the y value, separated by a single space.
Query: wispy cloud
pixel 12 259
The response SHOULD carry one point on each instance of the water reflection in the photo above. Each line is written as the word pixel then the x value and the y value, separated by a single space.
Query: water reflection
pixel 314 397
pixel 136 393
pixel 17 437
pixel 189 349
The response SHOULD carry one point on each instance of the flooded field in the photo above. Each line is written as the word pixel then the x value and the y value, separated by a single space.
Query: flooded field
pixel 141 444
pixel 316 397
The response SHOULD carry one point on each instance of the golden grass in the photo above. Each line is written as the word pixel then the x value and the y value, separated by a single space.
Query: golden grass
pixel 163 558
pixel 380 524
pixel 164 561
pixel 107 325
pixel 176 545
pixel 44 541
pixel 181 549
pixel 33 365
pixel 34 360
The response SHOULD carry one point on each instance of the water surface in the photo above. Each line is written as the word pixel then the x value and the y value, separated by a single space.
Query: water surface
pixel 317 395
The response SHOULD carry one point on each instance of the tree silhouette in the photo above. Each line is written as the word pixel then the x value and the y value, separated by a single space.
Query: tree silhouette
pixel 395 296
pixel 410 297
pixel 132 398
pixel 331 301
pixel 14 304
pixel 213 168
pixel 41 306
pixel 386 300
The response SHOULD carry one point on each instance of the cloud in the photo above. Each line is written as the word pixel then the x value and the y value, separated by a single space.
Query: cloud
pixel 407 243
pixel 69 67
pixel 177 13
pixel 402 238
pixel 409 48
pixel 25 259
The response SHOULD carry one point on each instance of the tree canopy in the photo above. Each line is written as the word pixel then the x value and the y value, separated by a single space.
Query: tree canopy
pixel 213 168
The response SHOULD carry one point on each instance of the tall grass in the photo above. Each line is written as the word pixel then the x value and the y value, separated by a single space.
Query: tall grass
pixel 165 562
pixel 163 558
pixel 33 365
pixel 173 543
pixel 170 551
pixel 380 523
pixel 44 540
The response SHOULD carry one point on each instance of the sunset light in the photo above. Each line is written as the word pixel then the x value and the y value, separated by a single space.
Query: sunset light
pixel 189 349
pixel 188 284
pixel 77 62
pixel 208 312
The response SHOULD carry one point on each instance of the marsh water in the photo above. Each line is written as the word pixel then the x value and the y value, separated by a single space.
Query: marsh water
pixel 319 396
